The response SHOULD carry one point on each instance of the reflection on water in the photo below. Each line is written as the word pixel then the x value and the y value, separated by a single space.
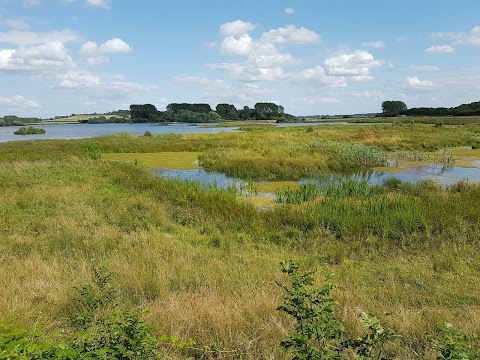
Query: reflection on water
pixel 444 175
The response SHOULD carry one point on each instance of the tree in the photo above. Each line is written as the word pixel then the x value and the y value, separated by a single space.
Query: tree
pixel 245 113
pixel 266 111
pixel 393 108
pixel 227 111
pixel 142 111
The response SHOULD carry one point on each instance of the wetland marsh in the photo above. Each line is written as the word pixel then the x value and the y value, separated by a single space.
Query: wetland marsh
pixel 203 262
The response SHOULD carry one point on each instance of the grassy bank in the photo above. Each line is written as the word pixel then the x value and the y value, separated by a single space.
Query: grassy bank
pixel 204 264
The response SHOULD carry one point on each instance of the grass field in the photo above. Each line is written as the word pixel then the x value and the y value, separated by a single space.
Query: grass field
pixel 79 117
pixel 203 263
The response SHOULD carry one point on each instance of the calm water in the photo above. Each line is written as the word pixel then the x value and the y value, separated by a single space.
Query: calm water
pixel 79 131
pixel 444 175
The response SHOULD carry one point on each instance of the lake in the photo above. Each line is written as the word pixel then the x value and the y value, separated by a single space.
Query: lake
pixel 80 131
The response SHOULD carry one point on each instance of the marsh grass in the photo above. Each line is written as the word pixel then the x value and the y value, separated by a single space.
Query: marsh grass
pixel 170 160
pixel 205 264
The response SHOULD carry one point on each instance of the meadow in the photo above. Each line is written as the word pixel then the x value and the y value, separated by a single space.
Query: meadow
pixel 203 264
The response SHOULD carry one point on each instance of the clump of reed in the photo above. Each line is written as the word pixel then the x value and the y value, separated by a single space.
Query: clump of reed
pixel 305 192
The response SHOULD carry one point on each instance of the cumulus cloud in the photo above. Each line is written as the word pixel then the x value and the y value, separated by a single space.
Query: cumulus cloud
pixel 99 3
pixel 440 49
pixel 248 73
pixel 289 11
pixel 375 44
pixel 242 45
pixel 315 76
pixel 78 80
pixel 264 59
pixel 236 28
pixel 291 35
pixel 356 65
pixel 111 46
pixel 414 81
pixel 48 57
pixel 19 101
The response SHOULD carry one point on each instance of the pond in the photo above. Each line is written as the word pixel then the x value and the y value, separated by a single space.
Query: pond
pixel 440 174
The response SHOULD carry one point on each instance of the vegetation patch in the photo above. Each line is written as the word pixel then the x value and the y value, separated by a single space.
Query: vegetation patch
pixel 169 160
pixel 273 186
pixel 29 130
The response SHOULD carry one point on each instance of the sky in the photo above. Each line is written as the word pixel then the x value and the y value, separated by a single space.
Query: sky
pixel 61 57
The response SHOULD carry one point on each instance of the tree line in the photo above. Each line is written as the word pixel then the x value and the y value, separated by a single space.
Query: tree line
pixel 186 112
pixel 9 120
pixel 395 108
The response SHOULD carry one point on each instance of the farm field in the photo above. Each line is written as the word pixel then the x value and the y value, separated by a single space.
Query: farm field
pixel 202 263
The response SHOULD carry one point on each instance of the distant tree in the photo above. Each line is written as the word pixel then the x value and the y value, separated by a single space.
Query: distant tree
pixel 393 108
pixel 142 111
pixel 245 113
pixel 227 111
pixel 266 110
pixel 197 108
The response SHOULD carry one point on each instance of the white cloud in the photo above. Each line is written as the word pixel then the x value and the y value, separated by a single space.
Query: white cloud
pixel 291 35
pixel 462 38
pixel 414 81
pixel 78 79
pixel 356 64
pixel 375 44
pixel 237 46
pixel 440 49
pixel 316 76
pixel 19 101
pixel 45 58
pixel 97 60
pixel 31 38
pixel 471 38
pixel 428 68
pixel 99 3
pixel 111 46
pixel 449 35
pixel 248 73
pixel 289 11
pixel 236 28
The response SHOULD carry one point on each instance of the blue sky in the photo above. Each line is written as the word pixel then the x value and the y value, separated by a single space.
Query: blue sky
pixel 59 57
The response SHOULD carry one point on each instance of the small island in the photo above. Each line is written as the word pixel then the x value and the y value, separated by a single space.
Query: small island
pixel 29 130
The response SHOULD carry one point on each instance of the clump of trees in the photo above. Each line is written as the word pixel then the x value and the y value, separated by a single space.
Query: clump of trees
pixel 395 108
pixel 12 120
pixel 195 113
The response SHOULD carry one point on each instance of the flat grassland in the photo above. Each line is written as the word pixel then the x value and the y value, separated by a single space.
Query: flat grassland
pixel 204 264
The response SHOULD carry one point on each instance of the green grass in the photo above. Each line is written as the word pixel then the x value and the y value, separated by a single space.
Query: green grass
pixel 204 264
pixel 171 160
